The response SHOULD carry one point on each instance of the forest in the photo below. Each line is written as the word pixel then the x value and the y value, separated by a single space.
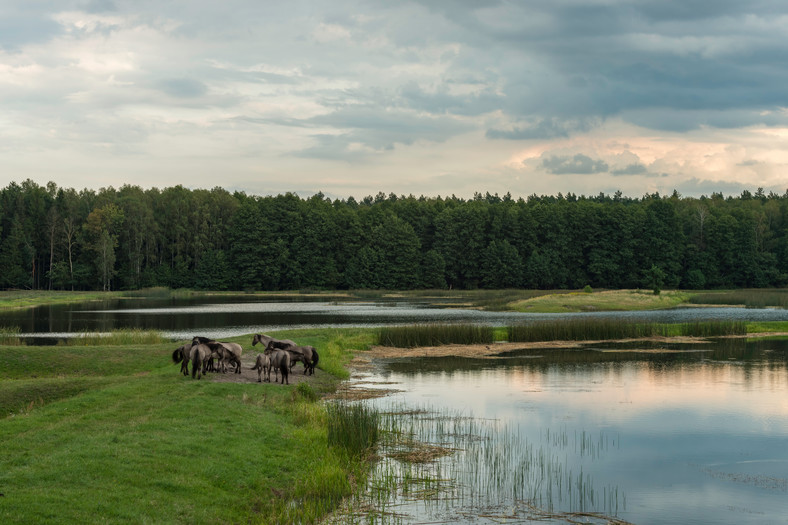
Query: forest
pixel 131 238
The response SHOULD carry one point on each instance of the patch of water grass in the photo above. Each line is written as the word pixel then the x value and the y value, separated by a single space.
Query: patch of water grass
pixel 605 329
pixel 125 336
pixel 438 464
pixel 434 335
pixel 747 298
pixel 9 335
pixel 353 427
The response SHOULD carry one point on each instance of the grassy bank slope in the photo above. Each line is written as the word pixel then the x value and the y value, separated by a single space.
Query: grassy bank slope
pixel 117 435
pixel 610 300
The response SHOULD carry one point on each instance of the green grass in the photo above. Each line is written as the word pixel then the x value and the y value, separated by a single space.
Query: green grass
pixel 609 300
pixel 434 335
pixel 767 326
pixel 115 434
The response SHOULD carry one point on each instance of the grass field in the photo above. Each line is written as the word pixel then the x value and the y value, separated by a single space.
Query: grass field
pixel 115 434
pixel 609 300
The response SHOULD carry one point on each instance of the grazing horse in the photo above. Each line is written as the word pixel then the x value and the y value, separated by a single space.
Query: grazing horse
pixel 263 366
pixel 265 340
pixel 280 361
pixel 305 354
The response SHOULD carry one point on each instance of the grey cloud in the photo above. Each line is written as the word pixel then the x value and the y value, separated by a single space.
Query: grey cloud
pixel 380 128
pixel 578 164
pixel 631 169
pixel 548 128
pixel 182 87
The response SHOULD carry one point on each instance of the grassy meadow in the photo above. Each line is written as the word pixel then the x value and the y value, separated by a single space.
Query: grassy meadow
pixel 113 433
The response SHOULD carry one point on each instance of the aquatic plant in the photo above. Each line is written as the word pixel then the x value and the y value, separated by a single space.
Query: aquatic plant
pixel 605 329
pixel 9 335
pixel 353 427
pixel 434 334
pixel 747 298
pixel 126 336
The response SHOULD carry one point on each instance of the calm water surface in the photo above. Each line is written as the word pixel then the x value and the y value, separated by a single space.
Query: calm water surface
pixel 227 316
pixel 688 434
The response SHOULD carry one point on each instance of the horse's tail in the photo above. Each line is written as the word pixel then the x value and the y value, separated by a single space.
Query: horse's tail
pixel 258 364
pixel 177 355
pixel 196 365
pixel 316 357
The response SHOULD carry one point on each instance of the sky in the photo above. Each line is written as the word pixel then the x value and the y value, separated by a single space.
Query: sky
pixel 422 97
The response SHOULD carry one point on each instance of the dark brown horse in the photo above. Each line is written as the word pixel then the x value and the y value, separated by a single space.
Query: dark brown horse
pixel 265 340
pixel 305 354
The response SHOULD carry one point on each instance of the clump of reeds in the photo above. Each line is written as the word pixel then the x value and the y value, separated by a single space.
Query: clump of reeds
pixel 605 329
pixel 354 427
pixel 747 298
pixel 129 336
pixel 9 335
pixel 434 335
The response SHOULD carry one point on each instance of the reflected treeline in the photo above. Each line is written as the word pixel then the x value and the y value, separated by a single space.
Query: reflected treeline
pixel 748 353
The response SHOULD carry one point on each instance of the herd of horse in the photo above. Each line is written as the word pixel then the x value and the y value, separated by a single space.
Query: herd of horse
pixel 279 356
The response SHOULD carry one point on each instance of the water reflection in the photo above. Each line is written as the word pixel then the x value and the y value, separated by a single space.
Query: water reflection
pixel 700 431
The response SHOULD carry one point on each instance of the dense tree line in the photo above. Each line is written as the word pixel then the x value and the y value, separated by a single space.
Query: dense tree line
pixel 129 238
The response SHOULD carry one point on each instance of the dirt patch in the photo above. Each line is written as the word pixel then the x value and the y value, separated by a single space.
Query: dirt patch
pixel 248 375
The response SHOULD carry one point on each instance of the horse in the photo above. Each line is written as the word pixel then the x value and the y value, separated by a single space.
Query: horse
pixel 223 352
pixel 305 354
pixel 263 366
pixel 265 340
pixel 199 355
pixel 181 355
pixel 280 361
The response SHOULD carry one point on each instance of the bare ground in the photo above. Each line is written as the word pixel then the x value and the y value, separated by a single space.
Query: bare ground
pixel 248 375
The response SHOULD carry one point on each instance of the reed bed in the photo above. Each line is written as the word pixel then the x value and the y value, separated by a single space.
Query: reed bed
pixel 607 329
pixel 434 335
pixel 441 465
pixel 747 298
pixel 9 335
pixel 354 427
pixel 132 336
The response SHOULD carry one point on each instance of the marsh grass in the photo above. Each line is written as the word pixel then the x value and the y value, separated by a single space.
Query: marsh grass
pixel 438 462
pixel 128 336
pixel 353 427
pixel 9 335
pixel 605 329
pixel 748 298
pixel 434 335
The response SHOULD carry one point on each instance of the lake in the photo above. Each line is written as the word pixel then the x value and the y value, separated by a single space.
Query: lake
pixel 229 316
pixel 645 433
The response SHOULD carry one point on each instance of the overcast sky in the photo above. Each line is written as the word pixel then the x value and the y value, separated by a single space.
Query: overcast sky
pixel 431 97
